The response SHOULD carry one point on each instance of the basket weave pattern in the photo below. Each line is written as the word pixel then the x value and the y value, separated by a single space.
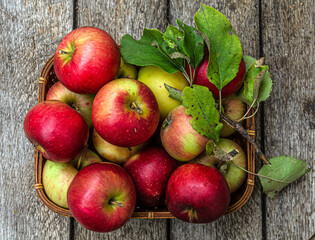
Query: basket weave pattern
pixel 48 78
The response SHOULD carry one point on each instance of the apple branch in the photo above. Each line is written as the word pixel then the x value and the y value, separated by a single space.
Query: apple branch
pixel 239 128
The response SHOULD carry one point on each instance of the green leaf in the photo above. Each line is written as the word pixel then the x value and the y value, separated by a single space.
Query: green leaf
pixel 149 50
pixel 193 45
pixel 174 38
pixel 283 168
pixel 174 93
pixel 257 83
pixel 225 51
pixel 265 88
pixel 200 105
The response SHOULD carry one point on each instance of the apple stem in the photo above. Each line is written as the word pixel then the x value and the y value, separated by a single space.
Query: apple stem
pixel 239 128
pixel 134 106
pixel 112 202
pixel 74 106
pixel 258 175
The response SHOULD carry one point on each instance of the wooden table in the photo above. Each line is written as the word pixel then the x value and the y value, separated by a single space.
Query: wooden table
pixel 281 31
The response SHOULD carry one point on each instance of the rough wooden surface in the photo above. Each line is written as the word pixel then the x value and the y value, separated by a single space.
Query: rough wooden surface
pixel 30 31
pixel 288 44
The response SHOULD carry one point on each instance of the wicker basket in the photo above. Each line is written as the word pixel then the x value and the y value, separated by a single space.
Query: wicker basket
pixel 238 199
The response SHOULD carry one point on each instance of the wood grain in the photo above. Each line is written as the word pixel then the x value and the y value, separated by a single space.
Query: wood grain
pixel 288 44
pixel 30 32
pixel 119 18
pixel 244 17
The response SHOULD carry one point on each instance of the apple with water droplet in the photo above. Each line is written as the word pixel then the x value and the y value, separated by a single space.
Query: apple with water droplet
pixel 56 130
pixel 197 193
pixel 125 112
pixel 86 59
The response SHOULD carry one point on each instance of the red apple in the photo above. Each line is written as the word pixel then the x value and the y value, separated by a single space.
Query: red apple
pixel 112 152
pixel 197 193
pixel 179 138
pixel 56 130
pixel 82 103
pixel 86 59
pixel 150 170
pixel 125 112
pixel 202 79
pixel 102 197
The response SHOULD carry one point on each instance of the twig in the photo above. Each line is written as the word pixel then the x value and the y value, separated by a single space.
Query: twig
pixel 239 128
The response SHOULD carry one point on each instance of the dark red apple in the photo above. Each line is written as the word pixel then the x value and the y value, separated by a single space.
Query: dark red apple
pixel 150 170
pixel 202 79
pixel 82 103
pixel 86 59
pixel 56 130
pixel 125 112
pixel 102 197
pixel 179 138
pixel 197 193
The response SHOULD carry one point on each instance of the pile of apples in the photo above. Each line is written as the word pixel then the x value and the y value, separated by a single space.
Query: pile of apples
pixel 114 139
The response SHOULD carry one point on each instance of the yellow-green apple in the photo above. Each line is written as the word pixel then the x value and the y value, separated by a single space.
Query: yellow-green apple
pixel 56 181
pixel 234 109
pixel 58 176
pixel 155 77
pixel 202 79
pixel 86 59
pixel 127 70
pixel 82 103
pixel 125 112
pixel 197 193
pixel 234 176
pixel 86 157
pixel 150 170
pixel 179 138
pixel 102 197
pixel 112 152
pixel 56 130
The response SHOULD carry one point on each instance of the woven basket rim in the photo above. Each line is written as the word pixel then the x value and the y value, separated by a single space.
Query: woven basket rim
pixel 147 214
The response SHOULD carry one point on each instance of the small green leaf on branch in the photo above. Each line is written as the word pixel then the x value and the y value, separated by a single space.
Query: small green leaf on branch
pixel 257 84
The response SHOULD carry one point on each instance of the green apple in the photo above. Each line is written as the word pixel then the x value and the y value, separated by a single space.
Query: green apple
pixel 234 109
pixel 233 175
pixel 127 70
pixel 58 176
pixel 87 157
pixel 56 181
pixel 112 152
pixel 155 77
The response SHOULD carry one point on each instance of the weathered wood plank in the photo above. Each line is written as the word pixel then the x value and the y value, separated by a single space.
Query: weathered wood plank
pixel 245 223
pixel 30 32
pixel 119 18
pixel 288 44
